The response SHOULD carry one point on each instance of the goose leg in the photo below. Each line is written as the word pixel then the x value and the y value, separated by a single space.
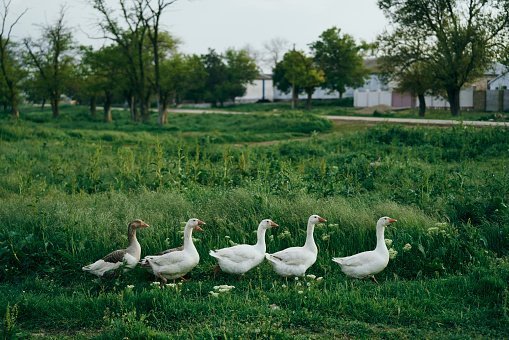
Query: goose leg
pixel 217 269
pixel 163 280
pixel 374 279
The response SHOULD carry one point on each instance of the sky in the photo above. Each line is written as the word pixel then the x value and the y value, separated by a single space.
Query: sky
pixel 219 24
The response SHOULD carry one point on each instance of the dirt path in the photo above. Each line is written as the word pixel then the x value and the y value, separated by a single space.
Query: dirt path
pixel 411 121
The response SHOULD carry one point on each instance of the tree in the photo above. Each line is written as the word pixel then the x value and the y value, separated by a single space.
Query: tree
pixel 462 37
pixel 52 58
pixel 152 20
pixel 274 50
pixel 103 74
pixel 340 59
pixel 417 80
pixel 403 61
pixel 227 75
pixel 182 77
pixel 11 72
pixel 297 73
pixel 241 70
pixel 215 91
pixel 133 42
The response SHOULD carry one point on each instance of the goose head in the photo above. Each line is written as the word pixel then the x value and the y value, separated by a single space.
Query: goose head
pixel 314 219
pixel 195 224
pixel 137 224
pixel 385 221
pixel 267 224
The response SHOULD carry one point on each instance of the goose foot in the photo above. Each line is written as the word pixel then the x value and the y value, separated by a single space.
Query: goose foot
pixel 217 269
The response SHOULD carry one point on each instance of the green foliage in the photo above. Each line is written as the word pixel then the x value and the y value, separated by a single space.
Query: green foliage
pixel 340 59
pixel 297 73
pixel 227 75
pixel 9 324
pixel 51 61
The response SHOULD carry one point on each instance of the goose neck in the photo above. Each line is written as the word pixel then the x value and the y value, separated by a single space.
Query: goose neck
pixel 310 240
pixel 380 238
pixel 134 246
pixel 260 239
pixel 188 240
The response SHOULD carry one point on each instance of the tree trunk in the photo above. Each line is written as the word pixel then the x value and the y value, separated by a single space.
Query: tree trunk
pixel 145 109
pixel 453 96
pixel 107 107
pixel 14 101
pixel 308 101
pixel 163 113
pixel 294 97
pixel 422 104
pixel 93 106
pixel 132 108
pixel 54 107
pixel 340 95
pixel 43 103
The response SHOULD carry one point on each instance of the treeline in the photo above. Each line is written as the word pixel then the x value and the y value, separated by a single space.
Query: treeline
pixel 141 64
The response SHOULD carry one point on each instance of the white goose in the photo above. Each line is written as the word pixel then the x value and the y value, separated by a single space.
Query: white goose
pixel 176 262
pixel 241 258
pixel 295 261
pixel 128 257
pixel 368 263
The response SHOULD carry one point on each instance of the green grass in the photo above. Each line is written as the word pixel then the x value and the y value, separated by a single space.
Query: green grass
pixel 69 186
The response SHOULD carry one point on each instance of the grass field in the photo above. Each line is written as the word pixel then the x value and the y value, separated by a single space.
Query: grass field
pixel 69 187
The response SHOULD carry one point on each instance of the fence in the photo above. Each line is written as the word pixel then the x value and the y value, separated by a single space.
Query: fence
pixel 490 100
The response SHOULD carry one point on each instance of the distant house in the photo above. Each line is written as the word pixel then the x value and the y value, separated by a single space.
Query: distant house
pixel 386 94
pixel 499 83
pixel 261 89
pixel 376 91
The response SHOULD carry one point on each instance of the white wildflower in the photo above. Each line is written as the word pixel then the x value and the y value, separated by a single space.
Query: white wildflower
pixel 214 294
pixel 298 284
pixel 318 279
pixel 129 287
pixel 308 284
pixel 223 287
pixel 296 278
pixel 392 253
pixel 311 276
pixel 171 285
pixel 388 242
pixel 300 292
pixel 407 247
pixel 283 286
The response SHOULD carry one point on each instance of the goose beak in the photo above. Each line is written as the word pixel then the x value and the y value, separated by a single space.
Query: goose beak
pixel 198 228
pixel 273 224
pixel 321 220
pixel 392 220
pixel 144 225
